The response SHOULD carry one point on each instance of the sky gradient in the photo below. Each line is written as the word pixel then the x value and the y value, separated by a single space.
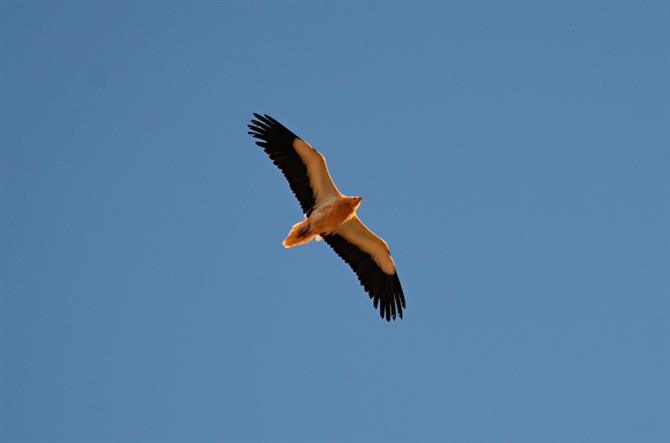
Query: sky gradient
pixel 514 155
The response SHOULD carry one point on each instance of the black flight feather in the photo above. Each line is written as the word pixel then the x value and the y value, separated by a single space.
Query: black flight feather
pixel 384 290
pixel 277 141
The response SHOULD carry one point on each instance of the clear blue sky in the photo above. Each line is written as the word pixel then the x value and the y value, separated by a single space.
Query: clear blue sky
pixel 515 155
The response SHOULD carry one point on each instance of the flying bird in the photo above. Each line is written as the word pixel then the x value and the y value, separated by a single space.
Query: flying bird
pixel 330 215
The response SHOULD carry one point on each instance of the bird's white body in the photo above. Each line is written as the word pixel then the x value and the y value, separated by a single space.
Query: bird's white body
pixel 326 218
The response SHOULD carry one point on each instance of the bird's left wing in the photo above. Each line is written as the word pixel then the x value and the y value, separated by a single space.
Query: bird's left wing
pixel 369 257
pixel 303 166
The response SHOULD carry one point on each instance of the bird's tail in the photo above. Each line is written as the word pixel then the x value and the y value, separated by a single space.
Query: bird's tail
pixel 299 234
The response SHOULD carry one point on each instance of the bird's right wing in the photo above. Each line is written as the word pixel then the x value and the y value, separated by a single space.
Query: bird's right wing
pixel 368 256
pixel 303 166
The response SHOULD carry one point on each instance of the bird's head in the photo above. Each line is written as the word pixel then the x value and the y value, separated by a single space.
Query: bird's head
pixel 356 201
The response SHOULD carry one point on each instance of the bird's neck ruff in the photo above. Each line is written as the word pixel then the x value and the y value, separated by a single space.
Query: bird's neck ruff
pixel 332 214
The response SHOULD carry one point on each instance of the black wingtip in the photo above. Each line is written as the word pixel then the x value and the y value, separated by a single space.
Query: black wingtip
pixel 277 141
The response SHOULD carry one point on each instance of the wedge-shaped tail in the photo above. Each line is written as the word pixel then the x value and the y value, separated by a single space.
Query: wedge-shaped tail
pixel 299 234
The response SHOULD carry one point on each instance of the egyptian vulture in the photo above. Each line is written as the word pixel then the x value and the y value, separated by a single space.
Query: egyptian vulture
pixel 330 215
